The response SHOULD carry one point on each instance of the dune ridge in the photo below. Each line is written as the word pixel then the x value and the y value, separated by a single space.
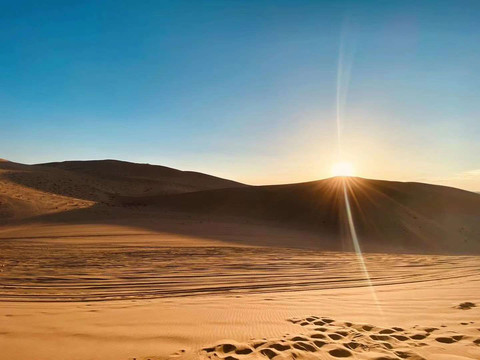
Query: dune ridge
pixel 35 190
pixel 389 216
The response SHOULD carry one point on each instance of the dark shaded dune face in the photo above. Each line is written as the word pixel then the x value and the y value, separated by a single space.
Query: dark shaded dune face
pixel 10 165
pixel 294 204
pixel 156 179
pixel 387 216
pixel 58 182
pixel 417 216
pixel 102 181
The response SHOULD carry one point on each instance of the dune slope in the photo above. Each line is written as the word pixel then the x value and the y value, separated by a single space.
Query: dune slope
pixel 32 190
pixel 141 179
pixel 386 215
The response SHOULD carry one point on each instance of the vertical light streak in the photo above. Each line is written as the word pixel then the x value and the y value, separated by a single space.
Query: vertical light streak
pixel 345 60
pixel 356 246
pixel 344 67
pixel 339 88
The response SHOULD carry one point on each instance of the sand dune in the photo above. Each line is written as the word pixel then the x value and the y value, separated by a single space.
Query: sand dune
pixel 32 190
pixel 388 216
pixel 144 179
pixel 27 191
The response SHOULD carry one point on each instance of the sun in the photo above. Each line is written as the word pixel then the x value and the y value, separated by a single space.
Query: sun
pixel 343 169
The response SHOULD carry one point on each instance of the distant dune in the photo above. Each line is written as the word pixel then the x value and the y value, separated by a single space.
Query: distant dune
pixel 141 179
pixel 387 215
pixel 32 190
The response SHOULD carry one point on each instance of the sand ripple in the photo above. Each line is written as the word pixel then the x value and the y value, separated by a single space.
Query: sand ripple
pixel 42 271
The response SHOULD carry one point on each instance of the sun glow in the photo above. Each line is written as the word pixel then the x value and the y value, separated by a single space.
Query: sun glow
pixel 343 169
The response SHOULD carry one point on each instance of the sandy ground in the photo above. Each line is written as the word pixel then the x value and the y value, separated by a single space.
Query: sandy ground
pixel 130 294
pixel 112 260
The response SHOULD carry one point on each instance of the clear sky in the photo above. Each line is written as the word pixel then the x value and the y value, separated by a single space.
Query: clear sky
pixel 257 91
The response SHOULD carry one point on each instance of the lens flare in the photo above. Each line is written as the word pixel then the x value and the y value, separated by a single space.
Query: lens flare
pixel 343 169
pixel 358 250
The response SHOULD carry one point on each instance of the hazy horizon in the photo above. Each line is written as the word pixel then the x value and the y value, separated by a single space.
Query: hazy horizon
pixel 258 92
pixel 234 179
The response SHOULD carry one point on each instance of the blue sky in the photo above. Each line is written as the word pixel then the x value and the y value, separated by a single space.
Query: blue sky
pixel 246 89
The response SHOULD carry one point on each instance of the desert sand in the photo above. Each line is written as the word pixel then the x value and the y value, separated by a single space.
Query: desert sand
pixel 129 261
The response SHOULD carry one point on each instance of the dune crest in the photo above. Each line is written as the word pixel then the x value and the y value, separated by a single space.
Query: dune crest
pixel 388 216
pixel 34 190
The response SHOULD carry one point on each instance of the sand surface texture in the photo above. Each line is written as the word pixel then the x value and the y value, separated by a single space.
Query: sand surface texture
pixel 112 260
pixel 118 299
pixel 53 271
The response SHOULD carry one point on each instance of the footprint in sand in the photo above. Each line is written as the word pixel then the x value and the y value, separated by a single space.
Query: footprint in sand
pixel 335 336
pixel 243 351
pixel 418 336
pixel 269 353
pixel 340 353
pixel 449 339
pixel 280 347
pixel 304 346
pixel 330 339
pixel 380 337
pixel 228 348
pixel 467 305
pixel 352 345
pixel 400 337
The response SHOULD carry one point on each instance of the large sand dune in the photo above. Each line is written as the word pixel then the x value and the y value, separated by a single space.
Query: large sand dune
pixel 387 215
pixel 144 179
pixel 32 190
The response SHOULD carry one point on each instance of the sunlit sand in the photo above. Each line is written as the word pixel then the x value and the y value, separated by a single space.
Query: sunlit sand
pixel 97 268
